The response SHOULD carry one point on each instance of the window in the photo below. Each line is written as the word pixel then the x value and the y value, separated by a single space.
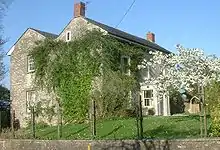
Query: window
pixel 68 36
pixel 125 63
pixel 30 99
pixel 145 73
pixel 30 64
pixel 148 97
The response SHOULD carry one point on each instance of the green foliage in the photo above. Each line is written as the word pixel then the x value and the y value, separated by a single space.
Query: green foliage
pixel 87 68
pixel 176 101
pixel 212 94
pixel 151 111
pixel 4 93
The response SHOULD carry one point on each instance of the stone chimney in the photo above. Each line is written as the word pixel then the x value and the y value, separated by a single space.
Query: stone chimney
pixel 151 37
pixel 79 9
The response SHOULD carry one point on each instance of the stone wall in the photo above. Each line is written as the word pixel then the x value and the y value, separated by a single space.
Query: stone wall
pixel 193 144
pixel 20 79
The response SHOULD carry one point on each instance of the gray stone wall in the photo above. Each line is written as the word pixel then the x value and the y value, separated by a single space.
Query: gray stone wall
pixel 77 26
pixel 193 144
pixel 20 79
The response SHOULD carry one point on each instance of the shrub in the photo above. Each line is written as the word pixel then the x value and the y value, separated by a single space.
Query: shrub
pixel 128 113
pixel 151 111
pixel 213 101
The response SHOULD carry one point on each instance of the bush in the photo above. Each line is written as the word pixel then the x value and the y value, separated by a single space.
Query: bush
pixel 213 101
pixel 151 111
pixel 128 113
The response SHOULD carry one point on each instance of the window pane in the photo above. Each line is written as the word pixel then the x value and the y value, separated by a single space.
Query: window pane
pixel 148 93
pixel 30 64
pixel 125 64
pixel 148 102
pixel 68 36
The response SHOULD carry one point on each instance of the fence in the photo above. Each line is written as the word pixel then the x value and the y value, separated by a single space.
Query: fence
pixel 133 125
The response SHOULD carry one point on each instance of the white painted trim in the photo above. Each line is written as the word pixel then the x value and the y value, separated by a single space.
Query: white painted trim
pixel 11 50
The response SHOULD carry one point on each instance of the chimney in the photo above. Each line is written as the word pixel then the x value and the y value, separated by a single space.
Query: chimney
pixel 151 37
pixel 79 9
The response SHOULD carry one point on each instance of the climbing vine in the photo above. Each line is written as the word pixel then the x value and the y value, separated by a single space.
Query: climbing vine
pixel 84 69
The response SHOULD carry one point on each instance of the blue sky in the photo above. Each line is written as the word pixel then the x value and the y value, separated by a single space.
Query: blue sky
pixel 191 23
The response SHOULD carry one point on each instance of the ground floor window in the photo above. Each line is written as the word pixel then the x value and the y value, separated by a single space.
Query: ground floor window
pixel 30 99
pixel 147 98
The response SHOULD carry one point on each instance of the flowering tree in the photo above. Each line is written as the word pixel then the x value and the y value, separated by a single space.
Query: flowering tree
pixel 184 70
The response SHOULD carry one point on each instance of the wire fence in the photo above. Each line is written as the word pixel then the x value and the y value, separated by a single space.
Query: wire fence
pixel 135 126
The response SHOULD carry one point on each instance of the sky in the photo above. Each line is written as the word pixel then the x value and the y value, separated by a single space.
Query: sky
pixel 191 23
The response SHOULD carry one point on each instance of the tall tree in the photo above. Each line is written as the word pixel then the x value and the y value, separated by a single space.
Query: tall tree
pixel 4 93
pixel 4 4
pixel 185 70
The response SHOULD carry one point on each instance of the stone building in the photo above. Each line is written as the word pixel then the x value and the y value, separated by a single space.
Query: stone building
pixel 22 67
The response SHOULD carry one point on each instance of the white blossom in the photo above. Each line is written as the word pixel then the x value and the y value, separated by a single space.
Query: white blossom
pixel 185 68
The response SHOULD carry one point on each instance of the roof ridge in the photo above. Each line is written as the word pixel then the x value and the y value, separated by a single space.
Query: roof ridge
pixel 128 36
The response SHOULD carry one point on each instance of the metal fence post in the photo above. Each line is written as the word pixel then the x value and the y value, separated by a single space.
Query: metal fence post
pixel 137 118
pixel 94 119
pixel 201 110
pixel 12 123
pixel 59 123
pixel 33 122
pixel 0 121
pixel 141 118
pixel 204 111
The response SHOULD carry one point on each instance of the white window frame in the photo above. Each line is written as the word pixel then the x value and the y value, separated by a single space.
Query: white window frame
pixel 146 99
pixel 30 64
pixel 68 36
pixel 122 64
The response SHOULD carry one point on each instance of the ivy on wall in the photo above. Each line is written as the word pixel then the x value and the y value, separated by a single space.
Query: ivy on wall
pixel 86 68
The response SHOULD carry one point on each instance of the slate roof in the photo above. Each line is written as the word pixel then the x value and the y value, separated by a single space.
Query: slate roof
pixel 112 31
pixel 127 36
pixel 46 34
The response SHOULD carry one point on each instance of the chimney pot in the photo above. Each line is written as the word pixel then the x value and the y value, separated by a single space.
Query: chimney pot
pixel 79 9
pixel 151 37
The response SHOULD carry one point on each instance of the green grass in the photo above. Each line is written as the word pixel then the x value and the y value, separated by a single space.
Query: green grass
pixel 154 127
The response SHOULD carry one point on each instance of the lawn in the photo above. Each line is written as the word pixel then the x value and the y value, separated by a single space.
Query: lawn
pixel 154 127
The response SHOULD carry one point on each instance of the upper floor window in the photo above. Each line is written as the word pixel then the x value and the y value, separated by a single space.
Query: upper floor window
pixel 30 64
pixel 68 36
pixel 125 64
